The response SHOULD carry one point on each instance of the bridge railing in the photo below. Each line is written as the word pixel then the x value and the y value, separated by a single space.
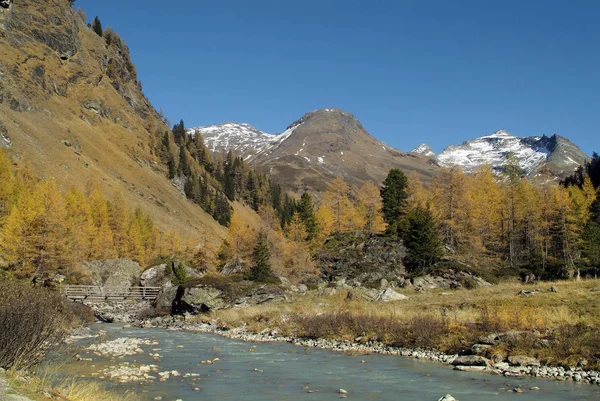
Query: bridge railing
pixel 97 293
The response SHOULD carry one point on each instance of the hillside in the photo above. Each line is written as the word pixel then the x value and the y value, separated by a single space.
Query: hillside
pixel 319 146
pixel 543 158
pixel 72 108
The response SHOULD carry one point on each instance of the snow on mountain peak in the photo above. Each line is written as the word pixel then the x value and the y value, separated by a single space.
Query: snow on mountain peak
pixel 244 138
pixel 423 149
pixel 495 149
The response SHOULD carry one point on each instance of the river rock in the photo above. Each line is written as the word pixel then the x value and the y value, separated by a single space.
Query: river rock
pixel 470 360
pixel 447 397
pixel 519 360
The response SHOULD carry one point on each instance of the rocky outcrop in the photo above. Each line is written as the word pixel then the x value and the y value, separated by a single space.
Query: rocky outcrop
pixel 372 294
pixel 113 272
pixel 5 141
pixel 361 257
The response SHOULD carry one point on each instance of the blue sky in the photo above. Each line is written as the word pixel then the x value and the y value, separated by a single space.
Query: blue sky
pixel 438 72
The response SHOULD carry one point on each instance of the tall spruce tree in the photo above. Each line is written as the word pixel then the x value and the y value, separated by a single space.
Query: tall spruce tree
pixel 422 240
pixel 394 194
pixel 261 258
pixel 97 26
pixel 306 212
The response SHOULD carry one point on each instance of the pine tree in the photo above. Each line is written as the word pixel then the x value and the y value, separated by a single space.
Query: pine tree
pixel 306 213
pixel 394 193
pixel 421 239
pixel 97 26
pixel 222 211
pixel 261 258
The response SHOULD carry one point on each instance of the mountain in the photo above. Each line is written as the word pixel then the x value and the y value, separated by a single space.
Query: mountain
pixel 313 150
pixel 541 157
pixel 72 108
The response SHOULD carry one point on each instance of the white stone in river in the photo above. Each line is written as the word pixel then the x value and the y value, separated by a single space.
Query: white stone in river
pixel 342 391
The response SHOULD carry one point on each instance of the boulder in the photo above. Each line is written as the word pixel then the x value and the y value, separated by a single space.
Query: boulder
pixel 520 360
pixel 429 282
pixel 5 141
pixel 209 296
pixel 326 292
pixel 153 276
pixel 470 360
pixel 361 256
pixel 156 276
pixel 233 267
pixel 113 272
pixel 164 301
pixel 481 349
pixel 388 295
pixel 261 295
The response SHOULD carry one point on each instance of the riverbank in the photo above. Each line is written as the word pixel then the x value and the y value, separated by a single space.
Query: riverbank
pixel 43 386
pixel 523 366
pixel 546 330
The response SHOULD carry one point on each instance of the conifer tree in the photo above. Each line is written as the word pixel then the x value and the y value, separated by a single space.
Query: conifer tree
pixel 261 258
pixel 306 214
pixel 393 196
pixel 97 26
pixel 222 211
pixel 421 239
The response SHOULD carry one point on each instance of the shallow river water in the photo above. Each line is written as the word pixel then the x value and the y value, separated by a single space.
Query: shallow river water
pixel 288 372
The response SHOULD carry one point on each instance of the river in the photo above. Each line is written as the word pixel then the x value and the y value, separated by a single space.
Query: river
pixel 283 371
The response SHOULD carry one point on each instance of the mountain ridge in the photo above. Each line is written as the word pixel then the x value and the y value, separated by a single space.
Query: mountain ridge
pixel 315 148
pixel 541 157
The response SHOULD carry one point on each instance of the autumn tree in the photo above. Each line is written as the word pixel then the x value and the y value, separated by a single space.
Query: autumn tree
pixel 338 211
pixel 451 197
pixel 370 206
pixel 7 198
pixel 80 225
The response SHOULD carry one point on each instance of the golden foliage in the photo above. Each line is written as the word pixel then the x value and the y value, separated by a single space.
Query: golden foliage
pixel 45 231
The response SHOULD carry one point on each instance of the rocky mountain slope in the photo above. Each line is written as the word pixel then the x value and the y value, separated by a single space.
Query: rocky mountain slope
pixel 316 148
pixel 72 108
pixel 540 157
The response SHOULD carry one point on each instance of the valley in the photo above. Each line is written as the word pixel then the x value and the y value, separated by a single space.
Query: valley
pixel 318 259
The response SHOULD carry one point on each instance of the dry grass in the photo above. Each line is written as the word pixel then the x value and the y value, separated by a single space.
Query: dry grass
pixel 449 320
pixel 46 386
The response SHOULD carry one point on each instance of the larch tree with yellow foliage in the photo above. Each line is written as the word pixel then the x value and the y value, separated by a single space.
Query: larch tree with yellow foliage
pixel 370 207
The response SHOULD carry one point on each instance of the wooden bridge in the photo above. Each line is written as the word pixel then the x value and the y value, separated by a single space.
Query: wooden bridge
pixel 96 293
